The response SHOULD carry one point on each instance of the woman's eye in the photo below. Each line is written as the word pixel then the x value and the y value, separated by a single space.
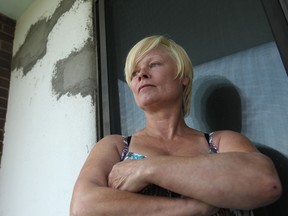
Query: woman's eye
pixel 134 74
pixel 153 65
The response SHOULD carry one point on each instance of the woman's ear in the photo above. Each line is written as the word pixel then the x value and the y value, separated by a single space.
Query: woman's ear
pixel 185 81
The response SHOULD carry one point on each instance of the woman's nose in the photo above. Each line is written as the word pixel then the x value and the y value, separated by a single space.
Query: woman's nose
pixel 143 74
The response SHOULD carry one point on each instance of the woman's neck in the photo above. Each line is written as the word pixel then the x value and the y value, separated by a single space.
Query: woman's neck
pixel 165 126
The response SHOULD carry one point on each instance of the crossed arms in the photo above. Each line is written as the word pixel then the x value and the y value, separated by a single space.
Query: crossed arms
pixel 239 177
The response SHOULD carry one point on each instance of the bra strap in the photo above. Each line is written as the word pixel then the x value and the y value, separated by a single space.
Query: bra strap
pixel 212 147
pixel 126 142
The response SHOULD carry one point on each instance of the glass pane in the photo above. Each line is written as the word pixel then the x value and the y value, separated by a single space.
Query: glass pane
pixel 240 82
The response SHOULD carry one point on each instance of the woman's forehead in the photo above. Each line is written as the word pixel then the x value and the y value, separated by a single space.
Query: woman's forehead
pixel 159 52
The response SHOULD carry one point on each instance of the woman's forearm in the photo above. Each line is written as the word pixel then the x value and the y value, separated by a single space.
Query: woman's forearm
pixel 98 201
pixel 229 180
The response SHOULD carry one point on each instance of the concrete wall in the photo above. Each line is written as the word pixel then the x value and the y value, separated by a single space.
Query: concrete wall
pixel 50 126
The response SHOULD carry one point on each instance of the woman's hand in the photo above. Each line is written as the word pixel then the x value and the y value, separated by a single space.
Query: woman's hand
pixel 128 175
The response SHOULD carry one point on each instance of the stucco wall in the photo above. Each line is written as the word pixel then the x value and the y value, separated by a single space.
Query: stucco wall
pixel 50 126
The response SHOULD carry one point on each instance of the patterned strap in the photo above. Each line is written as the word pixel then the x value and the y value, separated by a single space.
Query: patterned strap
pixel 126 141
pixel 212 147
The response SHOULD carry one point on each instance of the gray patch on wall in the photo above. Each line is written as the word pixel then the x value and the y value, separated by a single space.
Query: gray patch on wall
pixel 35 44
pixel 76 74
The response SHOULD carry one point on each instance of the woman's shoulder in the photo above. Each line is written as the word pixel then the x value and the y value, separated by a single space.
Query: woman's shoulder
pixel 228 141
pixel 226 133
pixel 111 141
pixel 112 138
pixel 223 135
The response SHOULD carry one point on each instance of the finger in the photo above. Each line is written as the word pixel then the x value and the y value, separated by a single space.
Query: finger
pixel 111 179
pixel 115 181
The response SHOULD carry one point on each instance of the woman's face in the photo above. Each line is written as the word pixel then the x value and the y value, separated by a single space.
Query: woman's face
pixel 153 81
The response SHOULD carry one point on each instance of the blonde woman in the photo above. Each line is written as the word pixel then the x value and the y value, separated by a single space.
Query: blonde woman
pixel 168 168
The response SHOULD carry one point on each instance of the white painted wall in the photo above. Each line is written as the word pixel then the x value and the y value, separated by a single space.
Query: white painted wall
pixel 46 140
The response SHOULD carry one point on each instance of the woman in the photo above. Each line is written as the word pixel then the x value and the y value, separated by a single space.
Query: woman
pixel 168 168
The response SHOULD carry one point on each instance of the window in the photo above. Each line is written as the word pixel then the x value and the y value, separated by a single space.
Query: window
pixel 235 44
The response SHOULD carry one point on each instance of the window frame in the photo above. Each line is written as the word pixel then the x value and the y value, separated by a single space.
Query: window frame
pixel 102 91
pixel 275 14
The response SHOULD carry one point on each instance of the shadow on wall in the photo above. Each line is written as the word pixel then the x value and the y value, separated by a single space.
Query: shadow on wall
pixel 217 106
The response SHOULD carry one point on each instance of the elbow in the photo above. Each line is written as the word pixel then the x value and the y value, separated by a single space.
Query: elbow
pixel 79 203
pixel 76 207
pixel 85 203
pixel 75 204
pixel 273 189
pixel 273 185
pixel 267 187
pixel 269 191
pixel 73 210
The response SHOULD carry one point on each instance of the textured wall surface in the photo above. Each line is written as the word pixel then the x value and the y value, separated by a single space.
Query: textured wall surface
pixel 50 125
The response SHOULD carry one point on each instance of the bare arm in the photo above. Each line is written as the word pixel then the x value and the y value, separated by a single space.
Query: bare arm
pixel 238 177
pixel 92 196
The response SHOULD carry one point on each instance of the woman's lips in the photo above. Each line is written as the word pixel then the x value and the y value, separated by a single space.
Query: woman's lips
pixel 144 86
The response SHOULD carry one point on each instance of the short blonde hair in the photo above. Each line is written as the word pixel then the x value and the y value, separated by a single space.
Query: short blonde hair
pixel 182 60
